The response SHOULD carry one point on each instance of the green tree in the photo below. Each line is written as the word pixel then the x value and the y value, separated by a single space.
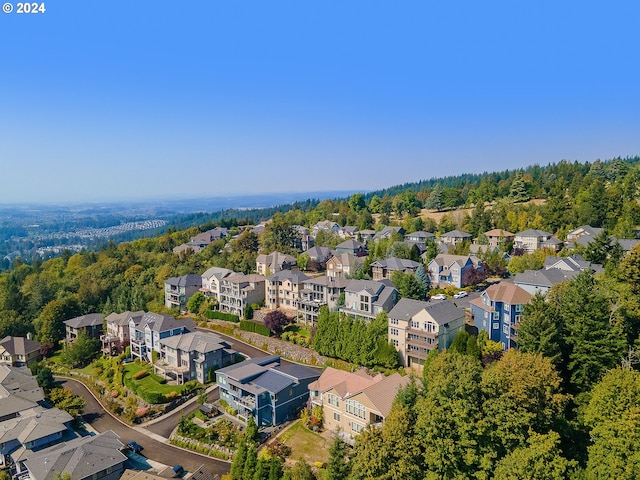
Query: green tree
pixel 275 468
pixel 49 325
pixel 408 285
pixel 195 302
pixel 541 459
pixel 81 352
pixel 303 261
pixel 518 191
pixel 251 461
pixel 301 471
pixel 45 379
pixel 64 399
pixel 541 330
pixel 239 459
pixel 356 202
pixel 337 466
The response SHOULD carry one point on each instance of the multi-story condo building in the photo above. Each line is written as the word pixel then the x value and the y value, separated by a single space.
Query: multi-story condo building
pixel 90 325
pixel 344 265
pixel 239 291
pixel 193 356
pixel 498 311
pixel 453 270
pixel 365 298
pixel 146 332
pixel 352 401
pixel 266 390
pixel 416 328
pixel 178 290
pixel 282 289
pixel 274 262
pixel 212 281
pixel 318 292
pixel 117 337
pixel 532 240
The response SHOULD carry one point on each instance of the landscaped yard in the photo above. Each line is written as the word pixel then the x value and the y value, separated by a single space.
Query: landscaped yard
pixel 304 443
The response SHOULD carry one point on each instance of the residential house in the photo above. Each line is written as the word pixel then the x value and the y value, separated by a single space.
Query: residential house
pixel 274 262
pixel 212 281
pixel 19 351
pixel 388 232
pixel 326 226
pixel 19 391
pixel 352 401
pixel 352 246
pixel 282 289
pixel 90 325
pixel 381 269
pixel 193 356
pixel 34 429
pixel 85 458
pixel 117 337
pixel 304 239
pixel 178 290
pixel 348 231
pixel 366 235
pixel 420 237
pixel 146 332
pixel 320 254
pixel 202 240
pixel 534 281
pixel 532 240
pixel 344 265
pixel 239 291
pixel 417 327
pixel 367 298
pixel 498 312
pixel 583 235
pixel 456 270
pixel 318 292
pixel 454 237
pixel 499 238
pixel 266 390
pixel 572 263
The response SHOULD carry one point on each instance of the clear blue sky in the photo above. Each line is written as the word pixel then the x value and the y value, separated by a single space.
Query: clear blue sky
pixel 136 99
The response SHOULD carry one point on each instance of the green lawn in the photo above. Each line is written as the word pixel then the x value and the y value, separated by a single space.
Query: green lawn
pixel 150 383
pixel 298 330
pixel 304 443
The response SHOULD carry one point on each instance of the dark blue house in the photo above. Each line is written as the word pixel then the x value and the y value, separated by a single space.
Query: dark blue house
pixel 263 388
pixel 498 311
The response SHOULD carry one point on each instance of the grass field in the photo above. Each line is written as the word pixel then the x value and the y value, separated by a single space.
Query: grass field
pixel 305 444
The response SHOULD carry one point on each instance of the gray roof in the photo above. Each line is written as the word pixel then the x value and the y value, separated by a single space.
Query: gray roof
pixel 89 320
pixel 217 272
pixel 456 234
pixel 350 244
pixel 370 286
pixel 297 371
pixel 199 341
pixel 394 263
pixel 442 312
pixel 123 318
pixel 324 280
pixel 190 280
pixel 296 277
pixel 243 369
pixel 323 253
pixel 19 345
pixel 533 233
pixel 18 382
pixel 544 278
pixel 272 381
pixel 162 323
pixel 81 457
pixel 34 424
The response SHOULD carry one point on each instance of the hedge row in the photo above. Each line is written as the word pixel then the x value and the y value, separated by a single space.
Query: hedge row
pixel 227 317
pixel 248 326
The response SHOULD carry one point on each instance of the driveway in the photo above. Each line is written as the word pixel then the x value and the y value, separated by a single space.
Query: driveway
pixel 154 448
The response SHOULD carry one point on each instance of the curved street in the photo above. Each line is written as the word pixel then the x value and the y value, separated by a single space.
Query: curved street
pixel 154 449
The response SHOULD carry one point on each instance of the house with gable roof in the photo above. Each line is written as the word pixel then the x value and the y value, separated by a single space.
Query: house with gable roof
pixel 417 327
pixel 498 238
pixel 19 351
pixel 366 298
pixel 388 232
pixel 239 291
pixel 265 389
pixel 583 235
pixel 193 356
pixel 352 246
pixel 352 401
pixel 19 391
pixel 90 325
pixel 282 289
pixel 318 292
pixel 274 262
pixel 117 337
pixel 532 240
pixel 344 265
pixel 453 270
pixel 212 281
pixel 419 236
pixel 202 240
pixel 146 332
pixel 498 311
pixel 178 290
pixel 381 269
pixel 454 237
pixel 541 281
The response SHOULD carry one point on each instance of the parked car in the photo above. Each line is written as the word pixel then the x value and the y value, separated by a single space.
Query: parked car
pixel 439 296
pixel 460 294
pixel 177 470
pixel 135 447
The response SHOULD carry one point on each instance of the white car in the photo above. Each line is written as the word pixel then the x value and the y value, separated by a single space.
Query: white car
pixel 460 294
pixel 439 296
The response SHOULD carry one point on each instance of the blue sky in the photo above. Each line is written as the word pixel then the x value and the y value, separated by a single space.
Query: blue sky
pixel 137 99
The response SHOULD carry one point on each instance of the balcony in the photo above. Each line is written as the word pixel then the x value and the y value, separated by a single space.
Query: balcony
pixel 421 332
pixel 247 401
pixel 422 343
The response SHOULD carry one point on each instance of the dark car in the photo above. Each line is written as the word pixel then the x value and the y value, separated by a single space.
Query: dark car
pixel 177 470
pixel 135 447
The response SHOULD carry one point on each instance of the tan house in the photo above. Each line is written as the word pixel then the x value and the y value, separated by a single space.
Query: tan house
pixel 19 351
pixel 416 328
pixel 343 265
pixel 282 289
pixel 381 269
pixel 318 292
pixel 532 240
pixel 117 337
pixel 274 262
pixel 351 401
pixel 212 281
pixel 498 238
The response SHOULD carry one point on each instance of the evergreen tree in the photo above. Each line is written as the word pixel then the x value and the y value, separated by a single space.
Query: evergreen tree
pixel 275 468
pixel 423 278
pixel 251 461
pixel 239 459
pixel 541 330
pixel 518 191
pixel 337 466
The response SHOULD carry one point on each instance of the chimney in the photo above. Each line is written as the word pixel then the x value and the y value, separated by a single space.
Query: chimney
pixel 29 335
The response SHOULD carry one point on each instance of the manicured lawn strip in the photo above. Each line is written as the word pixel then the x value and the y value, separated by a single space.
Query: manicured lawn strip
pixel 298 330
pixel 304 443
pixel 148 382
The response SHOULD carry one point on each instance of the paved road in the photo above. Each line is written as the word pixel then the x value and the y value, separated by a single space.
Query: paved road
pixel 155 450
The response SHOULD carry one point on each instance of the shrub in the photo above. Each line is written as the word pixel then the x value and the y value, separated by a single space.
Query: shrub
pixel 172 395
pixel 248 326
pixel 141 412
pixel 227 317
pixel 140 374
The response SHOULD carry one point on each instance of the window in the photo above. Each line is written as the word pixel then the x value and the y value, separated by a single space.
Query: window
pixel 355 408
pixel 486 314
pixel 429 327
pixel 333 400
pixel 395 343
pixel 496 315
pixel 519 308
pixel 336 416
pixel 505 329
pixel 496 326
pixel 393 321
pixel 518 318
pixel 356 427
pixel 393 331
pixel 507 307
pixel 415 324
